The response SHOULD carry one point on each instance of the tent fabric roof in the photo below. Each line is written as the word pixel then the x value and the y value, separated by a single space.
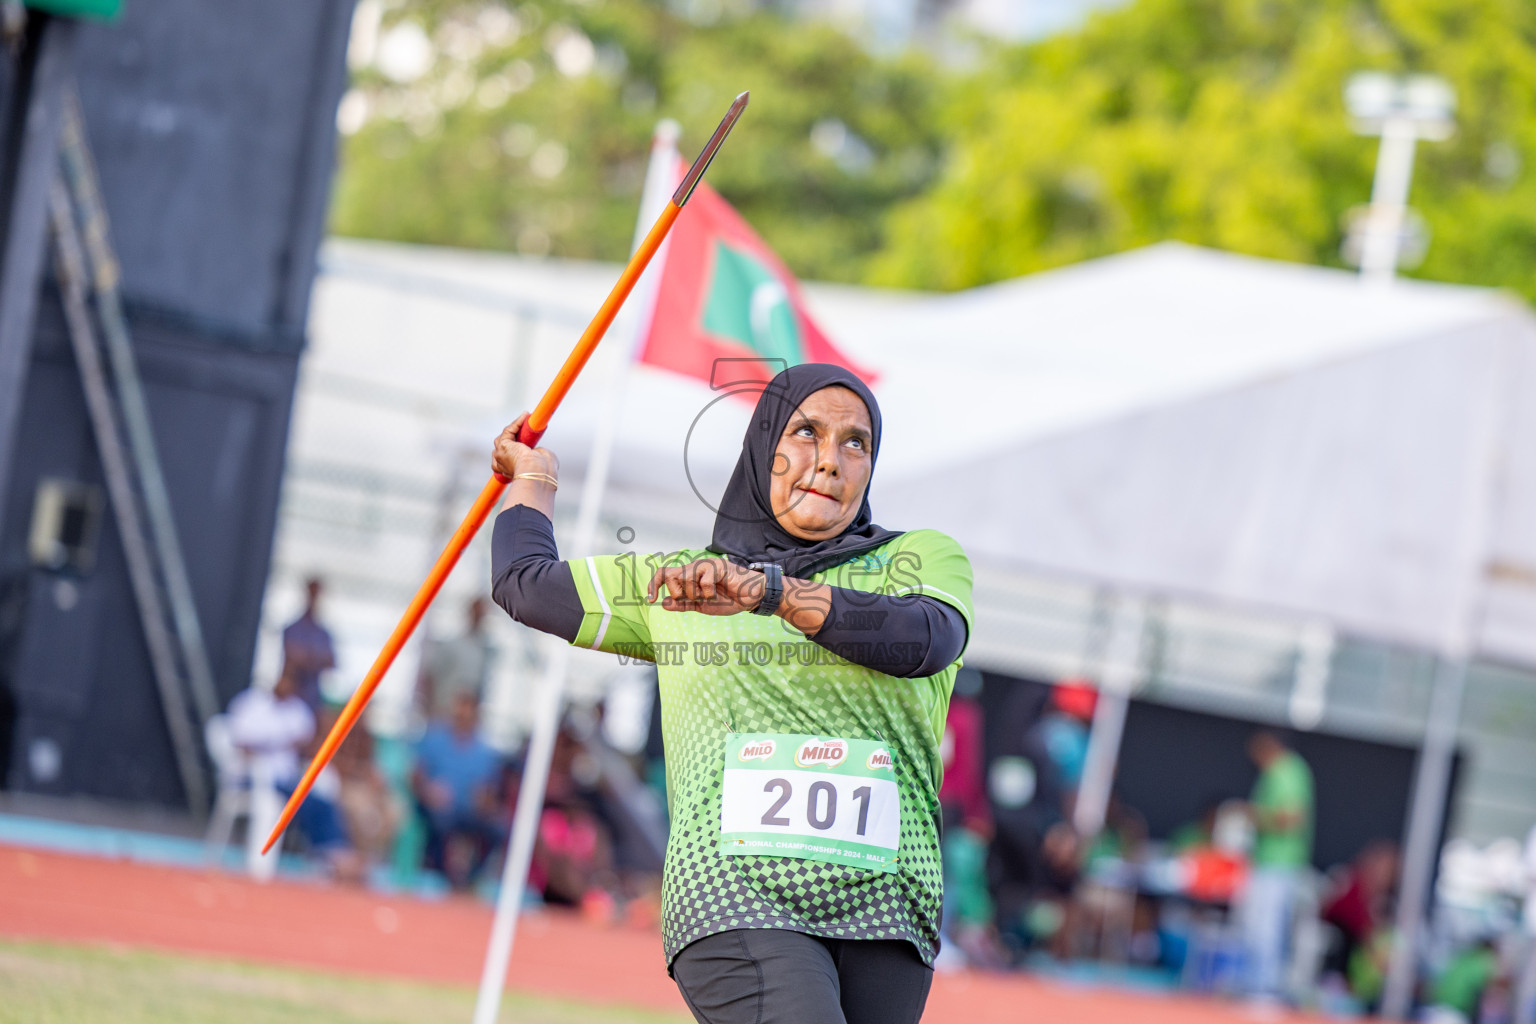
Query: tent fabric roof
pixel 1066 348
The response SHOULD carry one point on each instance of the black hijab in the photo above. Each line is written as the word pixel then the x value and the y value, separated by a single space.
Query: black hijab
pixel 745 528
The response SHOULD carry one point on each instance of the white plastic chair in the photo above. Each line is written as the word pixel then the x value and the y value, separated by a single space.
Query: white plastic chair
pixel 234 796
pixel 239 796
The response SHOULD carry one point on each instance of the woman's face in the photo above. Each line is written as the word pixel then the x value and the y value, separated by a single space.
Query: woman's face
pixel 822 465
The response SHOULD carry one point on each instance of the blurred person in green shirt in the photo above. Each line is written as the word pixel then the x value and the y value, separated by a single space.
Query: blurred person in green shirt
pixel 1465 977
pixel 1281 808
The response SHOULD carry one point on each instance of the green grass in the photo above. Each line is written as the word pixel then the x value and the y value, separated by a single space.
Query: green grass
pixel 53 984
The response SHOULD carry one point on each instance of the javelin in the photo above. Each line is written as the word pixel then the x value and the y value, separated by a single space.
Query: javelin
pixel 533 429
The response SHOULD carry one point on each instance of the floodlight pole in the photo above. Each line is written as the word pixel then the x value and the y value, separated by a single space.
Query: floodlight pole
pixel 1402 111
pixel 1389 200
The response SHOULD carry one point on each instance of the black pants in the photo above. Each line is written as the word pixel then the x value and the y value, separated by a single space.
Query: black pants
pixel 772 976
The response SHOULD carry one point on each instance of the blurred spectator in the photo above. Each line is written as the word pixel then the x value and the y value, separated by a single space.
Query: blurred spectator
pixel 1525 990
pixel 574 858
pixel 963 794
pixel 1059 865
pixel 459 665
pixel 1281 807
pixel 1367 968
pixel 1105 915
pixel 1034 858
pixel 1198 834
pixel 1464 979
pixel 372 812
pixel 655 767
pixel 968 918
pixel 271 728
pixel 1214 852
pixel 307 646
pixel 455 784
pixel 1124 836
pixel 573 862
pixel 1361 902
pixel 1064 728
pixel 628 807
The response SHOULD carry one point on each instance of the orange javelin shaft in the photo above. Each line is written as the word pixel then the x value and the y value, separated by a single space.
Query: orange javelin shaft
pixel 538 420
pixel 489 495
pixel 532 430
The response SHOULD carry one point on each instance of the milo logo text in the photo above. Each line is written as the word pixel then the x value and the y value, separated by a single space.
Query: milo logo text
pixel 760 750
pixel 879 759
pixel 814 753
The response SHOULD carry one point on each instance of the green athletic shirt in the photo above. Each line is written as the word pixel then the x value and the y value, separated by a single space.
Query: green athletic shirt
pixel 1285 786
pixel 748 673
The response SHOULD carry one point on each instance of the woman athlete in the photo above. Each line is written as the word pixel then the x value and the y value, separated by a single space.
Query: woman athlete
pixel 805 660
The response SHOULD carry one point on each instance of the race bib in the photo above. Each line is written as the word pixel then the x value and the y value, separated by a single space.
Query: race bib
pixel 810 797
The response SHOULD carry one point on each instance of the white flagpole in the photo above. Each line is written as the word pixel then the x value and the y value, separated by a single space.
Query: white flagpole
pixel 1120 672
pixel 660 181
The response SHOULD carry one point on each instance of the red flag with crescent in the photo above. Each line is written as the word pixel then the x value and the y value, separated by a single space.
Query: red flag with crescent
pixel 726 309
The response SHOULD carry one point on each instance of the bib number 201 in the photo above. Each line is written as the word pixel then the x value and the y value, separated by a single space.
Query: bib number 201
pixel 812 798
pixel 820 804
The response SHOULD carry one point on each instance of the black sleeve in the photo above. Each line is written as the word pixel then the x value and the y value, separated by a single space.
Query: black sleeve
pixel 908 637
pixel 527 577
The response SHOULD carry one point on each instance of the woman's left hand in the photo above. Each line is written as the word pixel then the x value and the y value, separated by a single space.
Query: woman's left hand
pixel 714 586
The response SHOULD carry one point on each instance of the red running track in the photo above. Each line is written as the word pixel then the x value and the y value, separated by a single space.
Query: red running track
pixel 74 899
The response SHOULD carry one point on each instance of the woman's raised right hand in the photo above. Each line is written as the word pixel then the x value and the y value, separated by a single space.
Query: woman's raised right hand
pixel 511 457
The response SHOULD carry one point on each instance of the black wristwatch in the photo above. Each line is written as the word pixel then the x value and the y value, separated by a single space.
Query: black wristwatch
pixel 773 587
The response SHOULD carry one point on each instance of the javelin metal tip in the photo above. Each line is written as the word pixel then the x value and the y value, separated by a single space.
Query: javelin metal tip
pixel 701 163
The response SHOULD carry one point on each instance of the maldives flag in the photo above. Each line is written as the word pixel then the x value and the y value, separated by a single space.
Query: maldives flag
pixel 727 310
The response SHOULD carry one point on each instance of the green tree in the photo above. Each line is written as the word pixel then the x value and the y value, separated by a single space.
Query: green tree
pixel 1222 123
pixel 527 127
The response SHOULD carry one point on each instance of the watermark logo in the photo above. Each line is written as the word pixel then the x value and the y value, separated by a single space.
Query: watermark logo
pixel 814 753
pixel 734 379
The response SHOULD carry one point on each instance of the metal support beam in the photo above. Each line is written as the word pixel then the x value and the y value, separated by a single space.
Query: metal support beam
pixel 80 176
pixel 28 162
pixel 125 500
pixel 1432 779
pixel 1472 544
